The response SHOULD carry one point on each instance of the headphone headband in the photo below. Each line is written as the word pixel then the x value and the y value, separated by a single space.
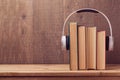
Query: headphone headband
pixel 88 10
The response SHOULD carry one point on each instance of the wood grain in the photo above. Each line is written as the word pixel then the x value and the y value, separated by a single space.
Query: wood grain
pixel 59 78
pixel 16 31
pixel 55 70
pixel 48 20
pixel 30 30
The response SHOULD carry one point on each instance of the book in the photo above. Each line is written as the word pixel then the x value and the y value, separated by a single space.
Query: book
pixel 101 50
pixel 91 47
pixel 73 46
pixel 81 48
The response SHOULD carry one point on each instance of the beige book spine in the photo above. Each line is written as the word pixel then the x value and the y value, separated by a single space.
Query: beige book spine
pixel 73 46
pixel 81 48
pixel 91 47
pixel 101 50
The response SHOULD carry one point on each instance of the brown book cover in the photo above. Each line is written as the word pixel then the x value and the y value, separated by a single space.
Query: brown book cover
pixel 91 47
pixel 81 48
pixel 73 46
pixel 101 50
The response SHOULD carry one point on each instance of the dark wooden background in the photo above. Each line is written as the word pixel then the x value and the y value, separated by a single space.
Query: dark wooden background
pixel 30 30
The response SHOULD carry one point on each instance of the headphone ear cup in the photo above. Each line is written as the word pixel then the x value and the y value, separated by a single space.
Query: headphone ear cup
pixel 67 42
pixel 107 43
pixel 63 41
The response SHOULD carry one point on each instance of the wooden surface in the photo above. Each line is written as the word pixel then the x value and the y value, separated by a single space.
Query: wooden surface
pixel 54 70
pixel 47 22
pixel 60 78
pixel 30 30
pixel 16 31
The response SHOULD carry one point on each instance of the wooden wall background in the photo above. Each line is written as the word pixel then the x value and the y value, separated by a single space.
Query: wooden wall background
pixel 30 30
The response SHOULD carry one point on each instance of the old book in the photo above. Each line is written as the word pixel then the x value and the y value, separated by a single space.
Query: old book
pixel 73 46
pixel 91 47
pixel 101 50
pixel 81 48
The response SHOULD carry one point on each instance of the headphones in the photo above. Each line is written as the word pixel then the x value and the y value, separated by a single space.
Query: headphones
pixel 65 39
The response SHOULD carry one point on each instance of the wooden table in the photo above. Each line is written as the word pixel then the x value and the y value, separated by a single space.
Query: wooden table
pixel 53 71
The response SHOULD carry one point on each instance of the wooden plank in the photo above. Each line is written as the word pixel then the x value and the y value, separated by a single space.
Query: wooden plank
pixel 48 21
pixel 17 44
pixel 34 67
pixel 53 70
pixel 60 78
pixel 16 31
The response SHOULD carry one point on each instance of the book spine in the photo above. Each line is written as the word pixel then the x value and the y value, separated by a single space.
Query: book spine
pixel 73 46
pixel 101 50
pixel 81 48
pixel 91 47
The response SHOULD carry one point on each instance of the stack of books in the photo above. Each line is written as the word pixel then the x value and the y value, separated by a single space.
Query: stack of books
pixel 87 48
